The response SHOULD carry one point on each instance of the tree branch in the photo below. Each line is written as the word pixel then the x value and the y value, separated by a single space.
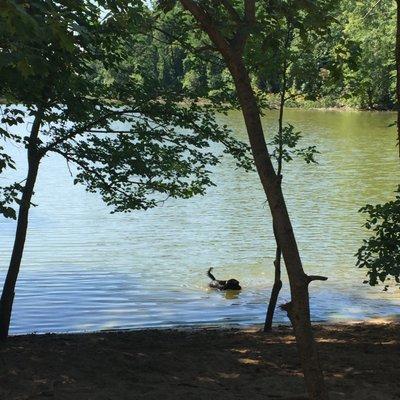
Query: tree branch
pixel 51 146
pixel 208 25
pixel 243 31
pixel 85 167
pixel 231 10
pixel 213 59
pixel 250 11
pixel 311 278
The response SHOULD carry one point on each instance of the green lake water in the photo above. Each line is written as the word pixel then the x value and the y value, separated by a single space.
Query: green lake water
pixel 87 269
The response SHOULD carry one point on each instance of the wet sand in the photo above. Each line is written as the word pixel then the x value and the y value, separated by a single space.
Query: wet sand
pixel 361 361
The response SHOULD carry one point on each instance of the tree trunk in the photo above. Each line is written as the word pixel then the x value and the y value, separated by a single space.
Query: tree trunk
pixel 298 309
pixel 277 263
pixel 7 297
pixel 275 291
pixel 398 73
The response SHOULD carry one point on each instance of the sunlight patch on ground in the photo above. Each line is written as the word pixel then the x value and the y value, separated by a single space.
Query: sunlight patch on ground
pixel 250 361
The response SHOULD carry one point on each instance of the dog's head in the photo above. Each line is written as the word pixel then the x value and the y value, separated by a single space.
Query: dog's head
pixel 232 284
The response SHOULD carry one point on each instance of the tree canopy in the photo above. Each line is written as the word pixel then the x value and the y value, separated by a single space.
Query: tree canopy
pixel 131 138
pixel 341 52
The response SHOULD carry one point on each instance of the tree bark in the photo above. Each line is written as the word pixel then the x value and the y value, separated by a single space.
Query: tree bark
pixel 298 309
pixel 398 72
pixel 8 293
pixel 275 291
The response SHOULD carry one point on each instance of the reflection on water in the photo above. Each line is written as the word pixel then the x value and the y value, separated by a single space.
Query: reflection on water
pixel 85 269
pixel 232 294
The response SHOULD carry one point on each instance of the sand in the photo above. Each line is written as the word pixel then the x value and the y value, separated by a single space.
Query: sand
pixel 361 361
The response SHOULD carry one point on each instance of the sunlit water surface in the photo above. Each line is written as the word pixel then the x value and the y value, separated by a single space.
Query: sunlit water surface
pixel 87 269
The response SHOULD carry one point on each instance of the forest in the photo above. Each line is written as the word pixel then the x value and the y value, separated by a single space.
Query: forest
pixel 199 198
pixel 349 64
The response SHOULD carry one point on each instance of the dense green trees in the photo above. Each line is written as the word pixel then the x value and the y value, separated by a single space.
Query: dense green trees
pixel 369 29
pixel 350 64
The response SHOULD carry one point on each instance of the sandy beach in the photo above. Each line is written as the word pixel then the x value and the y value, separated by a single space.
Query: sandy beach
pixel 360 362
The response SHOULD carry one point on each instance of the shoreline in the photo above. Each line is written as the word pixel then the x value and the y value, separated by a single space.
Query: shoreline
pixel 339 109
pixel 389 319
pixel 359 359
pixel 275 106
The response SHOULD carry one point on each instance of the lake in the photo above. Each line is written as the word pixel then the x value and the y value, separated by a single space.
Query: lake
pixel 85 269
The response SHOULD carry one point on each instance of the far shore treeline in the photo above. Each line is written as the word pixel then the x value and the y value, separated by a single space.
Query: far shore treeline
pixel 350 64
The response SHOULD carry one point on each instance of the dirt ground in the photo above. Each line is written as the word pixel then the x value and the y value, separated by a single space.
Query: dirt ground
pixel 361 361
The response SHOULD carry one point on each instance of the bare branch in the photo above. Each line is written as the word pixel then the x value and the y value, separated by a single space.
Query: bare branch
pixel 286 307
pixel 371 9
pixel 311 278
pixel 69 168
pixel 106 131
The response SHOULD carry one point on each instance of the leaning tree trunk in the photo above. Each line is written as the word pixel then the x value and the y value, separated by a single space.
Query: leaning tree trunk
pixel 7 297
pixel 298 309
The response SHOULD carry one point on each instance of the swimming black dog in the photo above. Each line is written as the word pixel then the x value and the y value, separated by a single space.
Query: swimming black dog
pixel 230 284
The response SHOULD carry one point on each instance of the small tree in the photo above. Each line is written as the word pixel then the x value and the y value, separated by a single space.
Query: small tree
pixel 285 143
pixel 131 141
pixel 380 253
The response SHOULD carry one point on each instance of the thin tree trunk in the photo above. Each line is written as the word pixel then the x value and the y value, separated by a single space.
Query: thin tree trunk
pixel 298 309
pixel 398 73
pixel 8 293
pixel 277 262
pixel 276 288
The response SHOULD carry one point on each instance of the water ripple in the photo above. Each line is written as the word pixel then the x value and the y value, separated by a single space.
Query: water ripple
pixel 85 269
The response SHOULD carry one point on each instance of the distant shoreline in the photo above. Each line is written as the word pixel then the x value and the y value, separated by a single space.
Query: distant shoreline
pixel 301 105
pixel 347 109
pixel 360 362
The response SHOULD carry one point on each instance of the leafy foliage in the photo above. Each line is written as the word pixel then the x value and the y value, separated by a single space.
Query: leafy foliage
pixel 132 139
pixel 9 195
pixel 160 151
pixel 380 254
pixel 285 146
pixel 341 53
